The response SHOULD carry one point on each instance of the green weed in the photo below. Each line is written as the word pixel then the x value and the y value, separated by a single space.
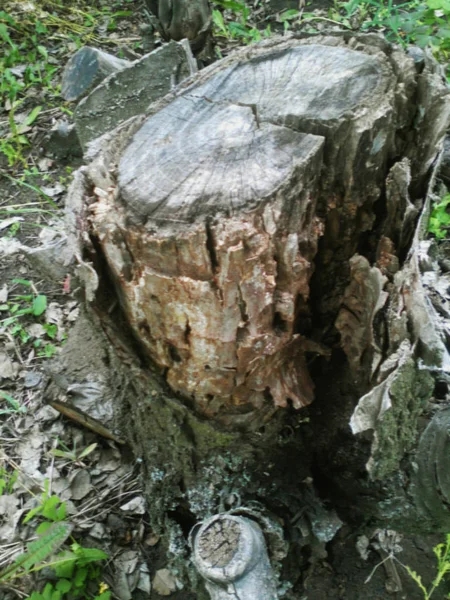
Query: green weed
pixel 76 569
pixel 32 43
pixel 239 28
pixel 7 479
pixel 439 223
pixel 37 552
pixel 426 24
pixel 12 407
pixel 75 456
pixel 22 308
pixel 442 553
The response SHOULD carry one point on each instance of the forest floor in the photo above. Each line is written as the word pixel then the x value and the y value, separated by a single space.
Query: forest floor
pixel 50 464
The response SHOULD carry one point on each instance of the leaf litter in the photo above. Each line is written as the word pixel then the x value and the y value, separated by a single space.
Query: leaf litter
pixel 40 448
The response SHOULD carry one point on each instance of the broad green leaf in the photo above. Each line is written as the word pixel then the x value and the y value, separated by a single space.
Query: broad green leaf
pixel 43 527
pixel 63 585
pixel 32 513
pixel 31 118
pixel 43 51
pixel 80 577
pixel 218 21
pixel 64 564
pixel 289 14
pixel 23 282
pixel 10 399
pixel 5 35
pixel 39 305
pixel 88 555
pixel 87 451
pixel 231 5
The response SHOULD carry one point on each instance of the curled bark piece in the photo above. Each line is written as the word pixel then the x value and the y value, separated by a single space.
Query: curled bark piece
pixel 230 553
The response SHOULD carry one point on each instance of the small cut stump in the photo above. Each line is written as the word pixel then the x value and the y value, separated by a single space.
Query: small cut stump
pixel 243 188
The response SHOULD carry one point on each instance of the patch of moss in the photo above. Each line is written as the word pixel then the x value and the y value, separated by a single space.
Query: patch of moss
pixel 396 432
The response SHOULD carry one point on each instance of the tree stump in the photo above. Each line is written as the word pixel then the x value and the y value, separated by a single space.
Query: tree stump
pixel 260 229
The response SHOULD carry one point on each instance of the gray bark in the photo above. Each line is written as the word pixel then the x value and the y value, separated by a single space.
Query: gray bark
pixel 130 91
pixel 260 229
pixel 86 69
pixel 180 19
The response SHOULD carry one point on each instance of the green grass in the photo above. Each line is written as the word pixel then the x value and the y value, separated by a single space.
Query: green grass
pixel 20 311
pixel 34 46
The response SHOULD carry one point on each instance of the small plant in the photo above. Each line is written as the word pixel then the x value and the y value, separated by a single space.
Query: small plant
pixel 442 553
pixel 426 24
pixel 28 63
pixel 7 481
pixel 12 407
pixel 439 223
pixel 73 455
pixel 76 570
pixel 50 507
pixel 19 309
pixel 37 552
pixel 239 28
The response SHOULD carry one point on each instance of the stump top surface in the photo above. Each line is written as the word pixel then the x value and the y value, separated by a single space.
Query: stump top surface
pixel 232 141
pixel 219 542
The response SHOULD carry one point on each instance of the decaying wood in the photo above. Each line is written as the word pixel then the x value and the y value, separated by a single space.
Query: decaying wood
pixel 262 227
pixel 222 196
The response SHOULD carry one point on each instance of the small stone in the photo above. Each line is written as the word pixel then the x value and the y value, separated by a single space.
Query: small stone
pixel 63 141
pixel 32 379
pixel 54 190
pixel 144 583
pixel 152 539
pixel 418 56
pixel 81 484
pixel 98 531
pixel 135 505
pixel 164 582
pixel 8 368
pixel 4 293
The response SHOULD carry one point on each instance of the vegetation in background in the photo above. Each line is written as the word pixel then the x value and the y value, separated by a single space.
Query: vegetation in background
pixel 35 44
pixel 21 311
pixel 76 570
pixel 239 27
pixel 439 224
